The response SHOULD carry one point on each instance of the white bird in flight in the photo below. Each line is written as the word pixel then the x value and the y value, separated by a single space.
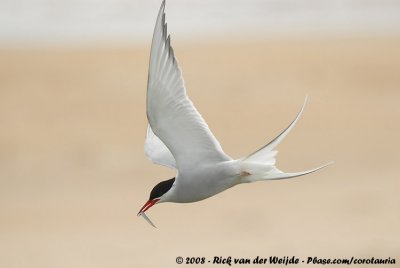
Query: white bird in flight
pixel 179 138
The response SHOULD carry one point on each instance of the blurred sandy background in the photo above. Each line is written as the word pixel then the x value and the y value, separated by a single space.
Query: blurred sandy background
pixel 73 174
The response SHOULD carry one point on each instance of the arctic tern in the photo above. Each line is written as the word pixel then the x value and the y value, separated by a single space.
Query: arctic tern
pixel 179 138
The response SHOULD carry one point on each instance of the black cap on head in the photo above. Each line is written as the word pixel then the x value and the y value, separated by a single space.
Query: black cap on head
pixel 161 188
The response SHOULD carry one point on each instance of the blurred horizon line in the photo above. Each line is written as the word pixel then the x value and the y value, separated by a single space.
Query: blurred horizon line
pixel 43 21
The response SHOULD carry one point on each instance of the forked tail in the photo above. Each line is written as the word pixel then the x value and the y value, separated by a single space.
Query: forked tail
pixel 260 165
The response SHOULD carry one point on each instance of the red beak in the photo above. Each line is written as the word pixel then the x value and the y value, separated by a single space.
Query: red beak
pixel 148 205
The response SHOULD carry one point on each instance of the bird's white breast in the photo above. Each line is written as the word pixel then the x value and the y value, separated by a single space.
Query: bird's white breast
pixel 204 181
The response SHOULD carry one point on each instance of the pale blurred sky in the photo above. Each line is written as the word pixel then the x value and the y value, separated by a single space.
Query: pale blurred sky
pixel 30 21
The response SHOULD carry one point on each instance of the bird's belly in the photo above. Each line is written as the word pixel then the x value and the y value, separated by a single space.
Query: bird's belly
pixel 199 192
pixel 204 184
pixel 190 194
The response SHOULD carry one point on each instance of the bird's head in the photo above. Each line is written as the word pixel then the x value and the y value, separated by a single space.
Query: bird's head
pixel 158 194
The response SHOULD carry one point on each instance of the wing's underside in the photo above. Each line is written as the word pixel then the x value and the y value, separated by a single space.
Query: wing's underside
pixel 156 150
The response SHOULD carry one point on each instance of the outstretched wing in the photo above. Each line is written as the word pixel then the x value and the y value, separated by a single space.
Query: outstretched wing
pixel 267 154
pixel 172 116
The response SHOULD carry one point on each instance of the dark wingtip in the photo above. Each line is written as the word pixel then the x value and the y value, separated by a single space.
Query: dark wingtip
pixel 161 12
pixel 172 54
pixel 168 43
pixel 165 31
pixel 163 5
